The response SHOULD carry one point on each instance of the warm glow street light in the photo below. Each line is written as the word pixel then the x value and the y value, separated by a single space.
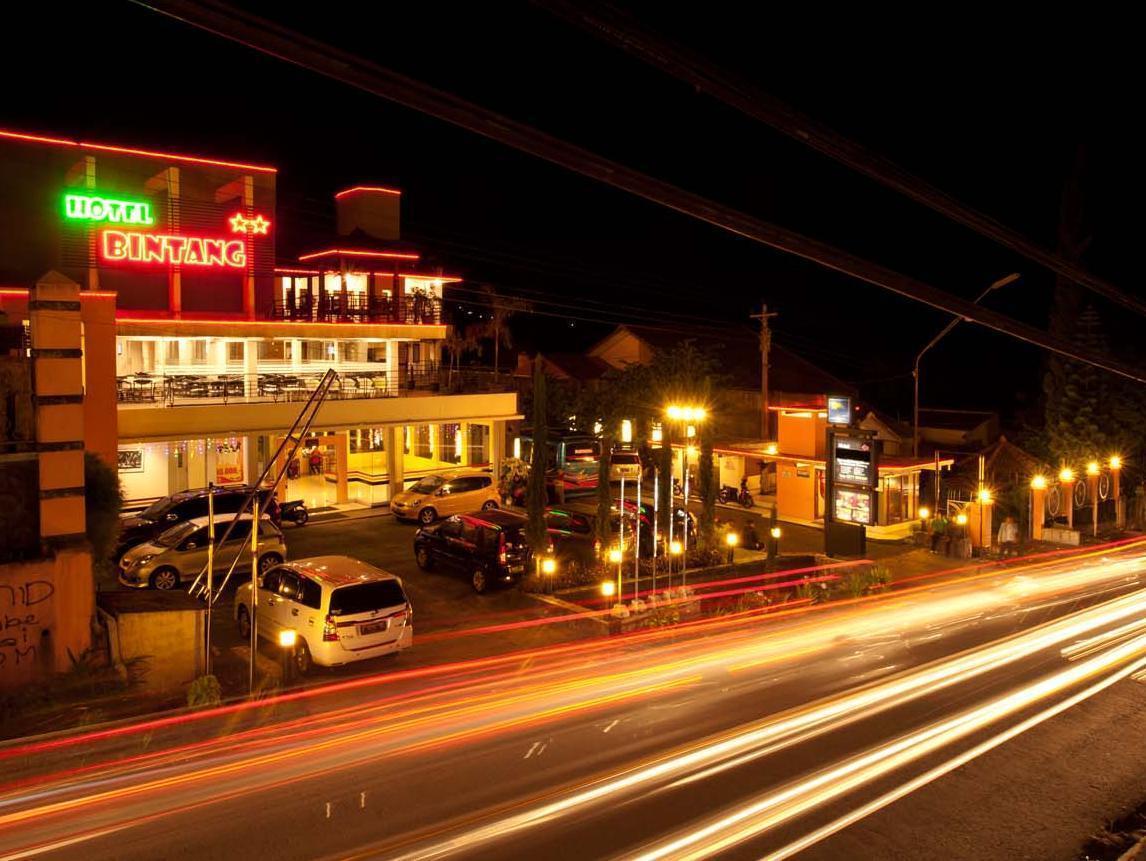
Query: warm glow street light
pixel 1066 474
pixel 731 539
pixel 961 519
pixel 674 548
pixel 776 532
pixel 1039 482
pixel 548 565
pixel 608 588
pixel 1115 462
pixel 1092 468
pixel 287 638
pixel 924 512
pixel 615 555
pixel 985 496
pixel 771 448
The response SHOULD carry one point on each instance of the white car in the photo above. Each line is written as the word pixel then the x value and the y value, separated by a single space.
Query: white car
pixel 626 464
pixel 341 610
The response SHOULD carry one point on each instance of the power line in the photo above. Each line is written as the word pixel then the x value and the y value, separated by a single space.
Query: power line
pixel 277 41
pixel 684 65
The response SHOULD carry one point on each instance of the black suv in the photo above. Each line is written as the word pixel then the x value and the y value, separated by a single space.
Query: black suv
pixel 185 505
pixel 489 547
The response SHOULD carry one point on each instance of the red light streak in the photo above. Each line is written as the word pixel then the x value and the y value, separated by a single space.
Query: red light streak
pixel 375 189
pixel 132 151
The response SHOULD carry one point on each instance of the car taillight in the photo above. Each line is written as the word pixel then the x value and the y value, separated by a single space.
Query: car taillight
pixel 329 630
pixel 502 555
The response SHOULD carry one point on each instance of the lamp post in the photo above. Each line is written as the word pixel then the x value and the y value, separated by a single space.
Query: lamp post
pixel 1116 490
pixel 674 551
pixel 984 503
pixel 774 543
pixel 1038 506
pixel 288 637
pixel 995 285
pixel 1092 471
pixel 1066 479
pixel 688 416
pixel 616 556
pixel 731 539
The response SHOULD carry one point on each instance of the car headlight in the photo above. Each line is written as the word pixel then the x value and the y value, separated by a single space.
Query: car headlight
pixel 415 502
pixel 141 560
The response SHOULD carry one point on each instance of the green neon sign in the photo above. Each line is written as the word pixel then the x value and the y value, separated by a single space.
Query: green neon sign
pixel 113 210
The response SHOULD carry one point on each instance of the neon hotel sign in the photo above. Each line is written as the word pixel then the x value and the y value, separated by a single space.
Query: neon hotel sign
pixel 135 246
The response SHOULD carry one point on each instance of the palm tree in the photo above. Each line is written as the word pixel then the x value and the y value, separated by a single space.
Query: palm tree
pixel 501 309
pixel 459 341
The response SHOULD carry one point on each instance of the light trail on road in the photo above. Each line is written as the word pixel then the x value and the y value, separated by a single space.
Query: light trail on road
pixel 477 708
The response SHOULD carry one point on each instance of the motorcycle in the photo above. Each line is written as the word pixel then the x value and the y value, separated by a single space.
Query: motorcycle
pixel 729 495
pixel 294 511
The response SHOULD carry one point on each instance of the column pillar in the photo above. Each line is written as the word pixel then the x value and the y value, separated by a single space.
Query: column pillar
pixel 1116 490
pixel 57 373
pixel 497 434
pixel 1068 502
pixel 1038 511
pixel 341 490
pixel 250 368
pixel 464 430
pixel 392 367
pixel 395 457
pixel 249 275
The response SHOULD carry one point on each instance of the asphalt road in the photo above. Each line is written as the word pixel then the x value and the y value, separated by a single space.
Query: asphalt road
pixel 734 738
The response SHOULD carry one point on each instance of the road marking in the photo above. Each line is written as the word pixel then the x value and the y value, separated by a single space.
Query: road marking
pixel 362 801
pixel 569 605
pixel 536 744
pixel 610 726
pixel 328 810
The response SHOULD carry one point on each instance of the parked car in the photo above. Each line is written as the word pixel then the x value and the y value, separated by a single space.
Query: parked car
pixel 572 537
pixel 185 505
pixel 449 493
pixel 489 548
pixel 342 610
pixel 586 513
pixel 178 555
pixel 624 464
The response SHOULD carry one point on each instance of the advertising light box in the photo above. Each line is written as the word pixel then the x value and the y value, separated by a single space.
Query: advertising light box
pixel 852 505
pixel 854 461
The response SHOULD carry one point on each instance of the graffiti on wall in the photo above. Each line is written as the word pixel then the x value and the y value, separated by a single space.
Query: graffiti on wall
pixel 22 618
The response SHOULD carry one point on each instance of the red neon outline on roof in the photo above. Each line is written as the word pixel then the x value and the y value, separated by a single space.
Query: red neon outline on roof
pixel 123 315
pixel 24 291
pixel 349 252
pixel 130 151
pixel 377 189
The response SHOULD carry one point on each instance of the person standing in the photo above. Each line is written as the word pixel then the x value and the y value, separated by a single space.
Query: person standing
pixel 1009 536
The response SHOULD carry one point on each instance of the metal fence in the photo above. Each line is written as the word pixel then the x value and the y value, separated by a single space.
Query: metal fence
pixel 359 308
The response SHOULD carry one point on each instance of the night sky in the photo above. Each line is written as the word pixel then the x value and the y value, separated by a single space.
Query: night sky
pixel 989 110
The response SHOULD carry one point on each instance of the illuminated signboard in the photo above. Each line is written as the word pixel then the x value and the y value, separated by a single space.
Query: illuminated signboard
pixel 839 410
pixel 853 461
pixel 92 207
pixel 852 505
pixel 128 246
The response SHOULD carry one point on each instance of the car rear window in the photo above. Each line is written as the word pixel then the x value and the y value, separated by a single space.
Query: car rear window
pixel 625 458
pixel 364 597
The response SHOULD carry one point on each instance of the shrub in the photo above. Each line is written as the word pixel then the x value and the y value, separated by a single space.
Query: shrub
pixel 103 502
pixel 204 692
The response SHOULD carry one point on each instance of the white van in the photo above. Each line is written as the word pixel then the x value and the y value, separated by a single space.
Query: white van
pixel 341 610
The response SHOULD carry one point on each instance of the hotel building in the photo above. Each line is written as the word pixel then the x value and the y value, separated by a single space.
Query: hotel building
pixel 200 344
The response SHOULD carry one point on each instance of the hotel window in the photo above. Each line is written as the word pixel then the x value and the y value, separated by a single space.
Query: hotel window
pixel 479 445
pixel 364 440
pixel 234 352
pixel 199 351
pixel 423 441
pixel 171 352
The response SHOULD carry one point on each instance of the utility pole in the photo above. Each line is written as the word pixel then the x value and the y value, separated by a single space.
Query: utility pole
pixel 765 353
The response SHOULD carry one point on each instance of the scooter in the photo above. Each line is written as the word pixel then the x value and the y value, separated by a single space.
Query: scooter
pixel 729 494
pixel 294 511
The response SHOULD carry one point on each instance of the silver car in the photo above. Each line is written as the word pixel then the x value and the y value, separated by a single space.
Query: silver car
pixel 178 555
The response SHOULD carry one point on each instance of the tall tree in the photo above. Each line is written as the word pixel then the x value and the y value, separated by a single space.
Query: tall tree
pixel 501 309
pixel 706 469
pixel 535 492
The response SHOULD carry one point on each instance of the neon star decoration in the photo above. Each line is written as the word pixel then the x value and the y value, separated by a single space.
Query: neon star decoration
pixel 254 226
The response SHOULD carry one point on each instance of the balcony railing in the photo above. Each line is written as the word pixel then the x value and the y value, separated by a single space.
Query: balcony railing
pixel 173 390
pixel 358 308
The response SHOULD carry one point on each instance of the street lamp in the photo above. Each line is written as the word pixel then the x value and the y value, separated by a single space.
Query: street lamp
pixel 1039 482
pixel 1115 462
pixel 1002 282
pixel 688 415
pixel 608 588
pixel 1092 468
pixel 288 638
pixel 615 557
pixel 549 566
pixel 675 550
pixel 1066 474
pixel 924 512
pixel 731 539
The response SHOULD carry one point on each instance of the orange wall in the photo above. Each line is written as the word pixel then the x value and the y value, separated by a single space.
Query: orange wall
pixel 795 495
pixel 802 433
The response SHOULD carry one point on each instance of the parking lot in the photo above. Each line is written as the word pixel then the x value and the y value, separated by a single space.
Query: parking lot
pixel 446 608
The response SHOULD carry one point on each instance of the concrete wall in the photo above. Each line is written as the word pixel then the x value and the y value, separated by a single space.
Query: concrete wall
pixel 802 433
pixel 171 643
pixel 46 610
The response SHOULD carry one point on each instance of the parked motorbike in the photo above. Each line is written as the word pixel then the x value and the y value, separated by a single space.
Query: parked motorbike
pixel 294 511
pixel 729 495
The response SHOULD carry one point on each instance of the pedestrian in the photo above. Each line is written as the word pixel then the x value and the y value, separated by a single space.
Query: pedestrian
pixel 751 539
pixel 559 486
pixel 1009 537
pixel 315 461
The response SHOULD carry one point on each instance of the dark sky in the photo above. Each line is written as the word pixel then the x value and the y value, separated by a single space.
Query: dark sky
pixel 988 109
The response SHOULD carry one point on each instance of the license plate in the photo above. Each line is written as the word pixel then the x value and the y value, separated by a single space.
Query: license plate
pixel 516 569
pixel 373 628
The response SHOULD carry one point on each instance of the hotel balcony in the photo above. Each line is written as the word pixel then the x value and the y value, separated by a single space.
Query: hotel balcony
pixel 358 308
